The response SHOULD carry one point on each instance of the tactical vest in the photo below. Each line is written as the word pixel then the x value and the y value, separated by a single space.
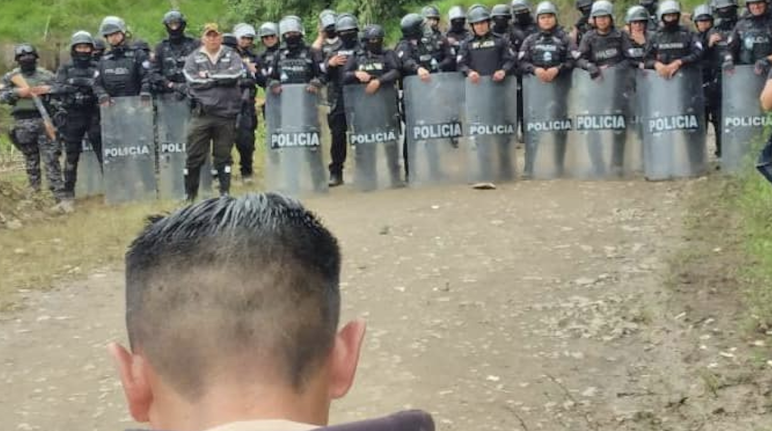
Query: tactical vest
pixel 548 51
pixel 673 45
pixel 373 64
pixel 39 77
pixel 120 72
pixel 295 67
pixel 429 52
pixel 607 49
pixel 173 59
pixel 755 44
pixel 82 80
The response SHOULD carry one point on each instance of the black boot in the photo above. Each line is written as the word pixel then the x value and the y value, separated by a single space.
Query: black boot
pixel 192 177
pixel 224 177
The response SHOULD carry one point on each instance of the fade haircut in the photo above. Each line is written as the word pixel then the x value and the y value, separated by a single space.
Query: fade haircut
pixel 232 285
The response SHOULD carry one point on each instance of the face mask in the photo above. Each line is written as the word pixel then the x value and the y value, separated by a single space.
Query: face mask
pixel 175 34
pixel 375 47
pixel 28 63
pixel 349 39
pixel 330 34
pixel 457 25
pixel 726 13
pixel 293 41
pixel 81 57
pixel 500 24
pixel 523 18
pixel 671 24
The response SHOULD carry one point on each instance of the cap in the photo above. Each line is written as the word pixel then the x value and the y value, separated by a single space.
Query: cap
pixel 211 27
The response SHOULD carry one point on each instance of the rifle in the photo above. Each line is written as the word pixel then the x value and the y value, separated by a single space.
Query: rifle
pixel 20 82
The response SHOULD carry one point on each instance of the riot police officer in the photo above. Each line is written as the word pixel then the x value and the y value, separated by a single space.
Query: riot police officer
pixel 718 46
pixel 80 116
pixel 672 46
pixel 99 49
pixel 432 16
pixel 522 20
pixel 652 24
pixel 246 121
pixel 457 32
pixel 501 17
pixel 28 133
pixel 604 46
pixel 347 46
pixel 547 54
pixel 583 24
pixel 375 67
pixel 710 64
pixel 637 19
pixel 169 59
pixel 751 40
pixel 422 52
pixel 327 37
pixel 269 37
pixel 120 72
pixel 484 53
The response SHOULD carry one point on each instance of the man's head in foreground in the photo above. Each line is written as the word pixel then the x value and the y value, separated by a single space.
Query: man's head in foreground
pixel 232 310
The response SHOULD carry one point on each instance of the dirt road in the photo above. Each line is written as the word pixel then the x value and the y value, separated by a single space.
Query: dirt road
pixel 538 306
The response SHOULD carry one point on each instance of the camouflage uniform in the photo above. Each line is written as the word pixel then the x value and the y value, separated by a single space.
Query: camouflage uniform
pixel 29 134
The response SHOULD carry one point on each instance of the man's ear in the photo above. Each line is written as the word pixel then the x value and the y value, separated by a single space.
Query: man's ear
pixel 132 370
pixel 345 357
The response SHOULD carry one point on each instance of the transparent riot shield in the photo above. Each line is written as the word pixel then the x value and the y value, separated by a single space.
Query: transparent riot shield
pixel 129 152
pixel 491 118
pixel 90 181
pixel 546 125
pixel 294 160
pixel 374 132
pixel 673 116
pixel 742 120
pixel 434 112
pixel 172 119
pixel 599 109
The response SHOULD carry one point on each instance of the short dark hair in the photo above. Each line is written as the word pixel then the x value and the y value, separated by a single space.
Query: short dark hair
pixel 233 282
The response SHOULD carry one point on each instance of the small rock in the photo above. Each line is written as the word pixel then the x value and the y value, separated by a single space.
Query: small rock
pixel 14 225
pixel 492 378
pixel 590 392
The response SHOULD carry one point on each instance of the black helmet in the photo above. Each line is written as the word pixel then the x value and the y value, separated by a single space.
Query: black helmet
pixel 112 24
pixel 346 22
pixel 583 4
pixel 501 10
pixel 23 49
pixel 430 11
pixel 702 13
pixel 373 32
pixel 229 40
pixel 174 15
pixel 636 13
pixel 520 6
pixel 478 13
pixel 412 25
pixel 327 18
pixel 99 45
pixel 81 38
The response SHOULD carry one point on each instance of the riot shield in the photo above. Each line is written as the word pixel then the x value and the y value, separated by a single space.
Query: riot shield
pixel 172 118
pixel 294 157
pixel 599 110
pixel 129 153
pixel 435 134
pixel 546 124
pixel 90 181
pixel 491 117
pixel 742 120
pixel 673 115
pixel 374 132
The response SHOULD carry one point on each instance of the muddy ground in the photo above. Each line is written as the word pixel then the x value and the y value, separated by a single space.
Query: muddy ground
pixel 537 306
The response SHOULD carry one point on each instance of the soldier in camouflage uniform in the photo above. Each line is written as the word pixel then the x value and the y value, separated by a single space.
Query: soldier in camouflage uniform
pixel 28 133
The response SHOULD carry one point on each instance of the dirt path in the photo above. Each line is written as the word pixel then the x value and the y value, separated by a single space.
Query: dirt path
pixel 538 306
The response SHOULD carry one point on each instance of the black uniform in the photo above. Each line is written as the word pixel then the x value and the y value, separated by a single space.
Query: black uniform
pixel 336 119
pixel 712 63
pixel 751 40
pixel 547 49
pixel 637 51
pixel 455 38
pixel 432 52
pixel 246 122
pixel 582 27
pixel 524 24
pixel 384 67
pixel 266 62
pixel 486 55
pixel 121 73
pixel 168 64
pixel 597 50
pixel 671 43
pixel 78 116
